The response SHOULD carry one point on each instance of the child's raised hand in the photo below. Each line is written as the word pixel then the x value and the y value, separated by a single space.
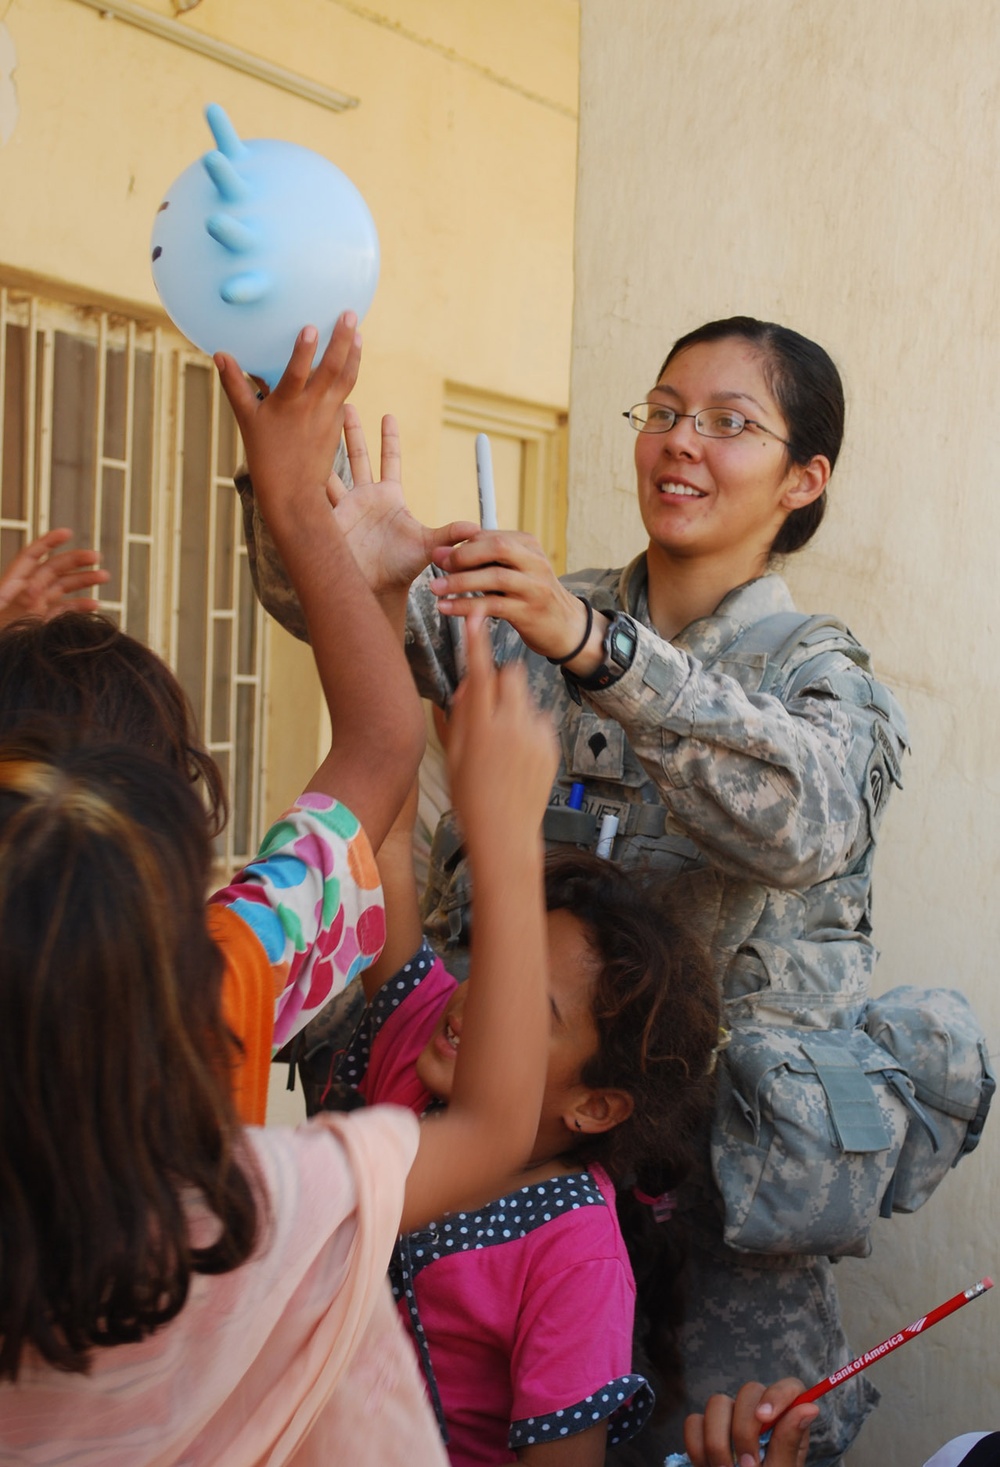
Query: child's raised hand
pixel 291 435
pixel 41 578
pixel 731 1430
pixel 502 751
pixel 389 544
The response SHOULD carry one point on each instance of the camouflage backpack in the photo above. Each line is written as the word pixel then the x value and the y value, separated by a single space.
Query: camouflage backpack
pixel 818 1132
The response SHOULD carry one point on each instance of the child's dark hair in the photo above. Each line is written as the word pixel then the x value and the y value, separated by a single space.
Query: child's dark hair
pixel 655 1004
pixel 80 669
pixel 656 1008
pixel 114 1057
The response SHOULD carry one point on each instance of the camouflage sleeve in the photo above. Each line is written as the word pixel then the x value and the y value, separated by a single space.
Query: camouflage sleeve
pixel 267 571
pixel 433 645
pixel 787 791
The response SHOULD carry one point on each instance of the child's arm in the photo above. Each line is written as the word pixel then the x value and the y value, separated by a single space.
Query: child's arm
pixel 290 438
pixel 403 928
pixel 381 526
pixel 502 758
pixel 585 1449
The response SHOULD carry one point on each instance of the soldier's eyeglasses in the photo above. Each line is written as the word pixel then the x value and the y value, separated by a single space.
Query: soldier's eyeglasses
pixel 653 417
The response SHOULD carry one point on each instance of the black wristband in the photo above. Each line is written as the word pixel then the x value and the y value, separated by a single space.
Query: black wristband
pixel 561 661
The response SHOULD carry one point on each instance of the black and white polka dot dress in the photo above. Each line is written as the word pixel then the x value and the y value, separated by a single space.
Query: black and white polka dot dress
pixel 521 1312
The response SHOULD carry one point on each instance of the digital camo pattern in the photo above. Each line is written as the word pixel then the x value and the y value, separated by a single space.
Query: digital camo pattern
pixel 763 781
pixel 770 801
pixel 937 1039
pixel 761 1319
pixel 757 775
pixel 270 579
pixel 807 1138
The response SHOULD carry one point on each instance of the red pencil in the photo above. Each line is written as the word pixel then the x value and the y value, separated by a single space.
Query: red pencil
pixel 892 1343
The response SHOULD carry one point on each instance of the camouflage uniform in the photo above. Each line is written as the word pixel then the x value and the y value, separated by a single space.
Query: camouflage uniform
pixel 763 778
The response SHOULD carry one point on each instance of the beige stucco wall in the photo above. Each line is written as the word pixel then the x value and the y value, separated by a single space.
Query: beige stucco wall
pixel 835 167
pixel 463 145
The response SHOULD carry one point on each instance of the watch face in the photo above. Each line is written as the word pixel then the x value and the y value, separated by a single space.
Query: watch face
pixel 621 644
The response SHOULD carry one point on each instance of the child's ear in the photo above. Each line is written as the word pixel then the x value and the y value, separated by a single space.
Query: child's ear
pixel 597 1111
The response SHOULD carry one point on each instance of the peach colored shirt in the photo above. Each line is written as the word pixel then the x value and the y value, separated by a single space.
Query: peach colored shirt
pixel 297 1357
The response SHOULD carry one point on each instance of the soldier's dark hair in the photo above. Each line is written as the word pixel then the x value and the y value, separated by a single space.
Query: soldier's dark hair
pixel 82 671
pixel 806 386
pixel 114 1057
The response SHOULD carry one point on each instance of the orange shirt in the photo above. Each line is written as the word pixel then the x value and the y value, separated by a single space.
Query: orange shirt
pixel 250 989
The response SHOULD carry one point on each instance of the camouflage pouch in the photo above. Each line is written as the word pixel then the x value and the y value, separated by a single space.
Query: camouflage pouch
pixel 809 1128
pixel 934 1034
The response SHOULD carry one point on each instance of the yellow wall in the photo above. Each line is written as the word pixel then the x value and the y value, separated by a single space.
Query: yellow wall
pixel 463 145
pixel 835 167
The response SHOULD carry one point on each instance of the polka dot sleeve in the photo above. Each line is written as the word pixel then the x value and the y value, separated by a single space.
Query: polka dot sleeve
pixel 313 899
pixel 625 1404
pixel 571 1366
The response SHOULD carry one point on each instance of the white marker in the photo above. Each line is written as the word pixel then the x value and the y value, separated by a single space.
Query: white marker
pixel 606 839
pixel 488 520
pixel 484 476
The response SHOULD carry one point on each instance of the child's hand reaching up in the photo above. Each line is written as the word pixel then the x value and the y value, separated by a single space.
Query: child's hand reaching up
pixel 291 434
pixel 291 438
pixel 502 757
pixel 41 578
pixel 390 545
pixel 502 753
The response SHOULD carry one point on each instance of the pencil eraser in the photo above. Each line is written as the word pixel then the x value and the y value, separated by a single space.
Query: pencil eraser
pixel 987 1282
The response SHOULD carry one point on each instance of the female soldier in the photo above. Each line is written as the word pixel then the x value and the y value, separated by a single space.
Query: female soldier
pixel 730 738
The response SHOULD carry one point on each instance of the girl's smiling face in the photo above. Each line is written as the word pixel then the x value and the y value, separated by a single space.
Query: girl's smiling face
pixel 723 499
pixel 573 970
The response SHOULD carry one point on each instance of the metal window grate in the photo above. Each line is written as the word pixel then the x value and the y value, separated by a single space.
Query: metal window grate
pixel 122 432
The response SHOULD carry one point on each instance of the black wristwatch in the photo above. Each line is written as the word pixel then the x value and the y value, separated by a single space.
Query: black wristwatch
pixel 620 641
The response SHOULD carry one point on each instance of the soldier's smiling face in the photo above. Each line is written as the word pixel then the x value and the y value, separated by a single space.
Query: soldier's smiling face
pixel 702 496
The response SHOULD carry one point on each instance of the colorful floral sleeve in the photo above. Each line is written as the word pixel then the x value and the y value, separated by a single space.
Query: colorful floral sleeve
pixel 313 899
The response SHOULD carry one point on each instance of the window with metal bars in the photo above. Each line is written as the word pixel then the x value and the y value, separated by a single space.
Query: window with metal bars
pixel 121 432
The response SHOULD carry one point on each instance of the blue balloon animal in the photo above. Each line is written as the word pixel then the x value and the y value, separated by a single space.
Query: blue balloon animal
pixel 258 239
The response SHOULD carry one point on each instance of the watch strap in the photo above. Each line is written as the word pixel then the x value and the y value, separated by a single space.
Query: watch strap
pixel 616 661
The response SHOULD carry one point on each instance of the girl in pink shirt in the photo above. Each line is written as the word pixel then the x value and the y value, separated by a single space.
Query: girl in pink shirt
pixel 521 1304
